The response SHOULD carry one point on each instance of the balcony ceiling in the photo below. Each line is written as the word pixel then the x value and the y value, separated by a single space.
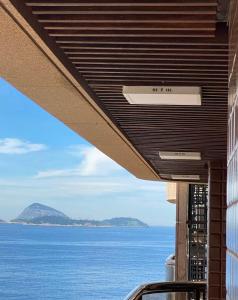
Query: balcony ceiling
pixel 107 44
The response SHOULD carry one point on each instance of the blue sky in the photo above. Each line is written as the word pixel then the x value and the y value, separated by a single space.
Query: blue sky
pixel 42 160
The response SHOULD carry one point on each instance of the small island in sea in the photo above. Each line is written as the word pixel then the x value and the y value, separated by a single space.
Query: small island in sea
pixel 39 214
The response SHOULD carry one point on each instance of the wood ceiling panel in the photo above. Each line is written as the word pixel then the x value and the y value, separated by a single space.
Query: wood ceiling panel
pixel 117 3
pixel 112 43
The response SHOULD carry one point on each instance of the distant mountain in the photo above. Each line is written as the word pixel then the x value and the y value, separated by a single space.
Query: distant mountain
pixel 40 214
pixel 37 211
pixel 124 222
pixel 1 221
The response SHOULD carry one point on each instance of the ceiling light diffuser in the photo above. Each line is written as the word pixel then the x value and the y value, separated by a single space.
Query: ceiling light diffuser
pixel 178 155
pixel 163 95
pixel 185 177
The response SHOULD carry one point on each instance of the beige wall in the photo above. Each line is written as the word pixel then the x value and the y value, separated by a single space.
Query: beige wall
pixel 181 231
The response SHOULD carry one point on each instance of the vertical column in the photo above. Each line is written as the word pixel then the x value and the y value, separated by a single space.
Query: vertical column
pixel 217 231
pixel 181 258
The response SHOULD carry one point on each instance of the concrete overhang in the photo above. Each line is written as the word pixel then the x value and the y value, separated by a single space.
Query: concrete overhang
pixel 73 58
pixel 30 66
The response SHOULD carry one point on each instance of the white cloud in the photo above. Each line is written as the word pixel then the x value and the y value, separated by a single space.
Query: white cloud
pixel 97 163
pixel 82 189
pixel 17 146
pixel 93 163
pixel 57 173
pixel 96 174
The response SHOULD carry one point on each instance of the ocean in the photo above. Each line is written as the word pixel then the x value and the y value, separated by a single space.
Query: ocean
pixel 74 263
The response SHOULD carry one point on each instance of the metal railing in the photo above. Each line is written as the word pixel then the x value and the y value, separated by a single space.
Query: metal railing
pixel 197 232
pixel 164 290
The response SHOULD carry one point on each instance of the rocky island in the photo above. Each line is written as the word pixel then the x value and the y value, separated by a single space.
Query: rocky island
pixel 39 214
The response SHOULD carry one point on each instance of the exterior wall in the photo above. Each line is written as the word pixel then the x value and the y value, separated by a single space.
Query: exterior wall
pixel 232 186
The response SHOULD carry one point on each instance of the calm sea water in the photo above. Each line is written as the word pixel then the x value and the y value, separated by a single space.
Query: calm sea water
pixel 72 263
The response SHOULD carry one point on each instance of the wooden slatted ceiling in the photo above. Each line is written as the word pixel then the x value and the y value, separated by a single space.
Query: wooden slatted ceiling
pixel 149 42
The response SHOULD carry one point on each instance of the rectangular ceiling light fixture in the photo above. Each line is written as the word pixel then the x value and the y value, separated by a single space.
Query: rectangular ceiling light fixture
pixel 178 155
pixel 163 95
pixel 185 177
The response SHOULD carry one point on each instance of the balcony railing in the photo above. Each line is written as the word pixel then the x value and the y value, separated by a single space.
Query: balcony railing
pixel 169 291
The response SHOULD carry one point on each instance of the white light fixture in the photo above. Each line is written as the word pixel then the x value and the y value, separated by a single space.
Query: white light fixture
pixel 178 155
pixel 185 177
pixel 163 95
